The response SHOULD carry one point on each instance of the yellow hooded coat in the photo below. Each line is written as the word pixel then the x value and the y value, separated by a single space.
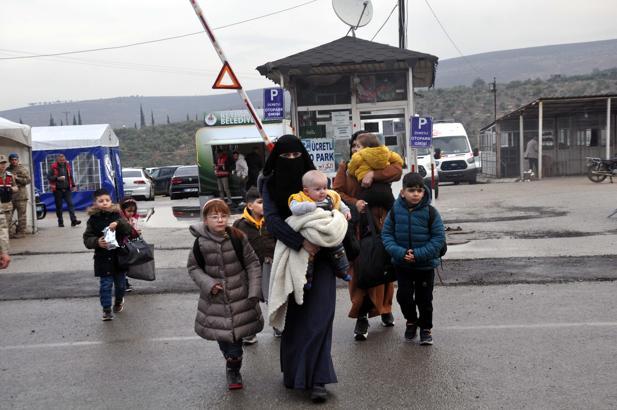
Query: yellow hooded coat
pixel 371 159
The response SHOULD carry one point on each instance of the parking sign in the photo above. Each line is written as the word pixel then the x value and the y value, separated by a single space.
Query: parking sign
pixel 274 104
pixel 421 132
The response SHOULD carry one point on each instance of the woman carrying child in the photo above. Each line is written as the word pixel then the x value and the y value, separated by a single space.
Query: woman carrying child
pixel 306 343
pixel 377 300
pixel 227 272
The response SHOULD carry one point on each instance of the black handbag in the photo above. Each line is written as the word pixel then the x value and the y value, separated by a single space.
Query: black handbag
pixel 374 262
pixel 143 271
pixel 351 243
pixel 135 252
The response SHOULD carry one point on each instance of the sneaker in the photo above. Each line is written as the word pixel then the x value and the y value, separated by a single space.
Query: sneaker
pixel 361 329
pixel 19 235
pixel 60 224
pixel 411 331
pixel 319 394
pixel 426 337
pixel 75 222
pixel 387 320
pixel 119 306
pixel 129 288
pixel 250 340
pixel 107 315
pixel 277 333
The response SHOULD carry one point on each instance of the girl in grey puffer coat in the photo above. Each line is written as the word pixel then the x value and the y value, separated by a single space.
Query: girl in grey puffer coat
pixel 230 289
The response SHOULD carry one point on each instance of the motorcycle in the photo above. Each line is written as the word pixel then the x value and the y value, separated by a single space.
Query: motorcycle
pixel 598 169
pixel 41 208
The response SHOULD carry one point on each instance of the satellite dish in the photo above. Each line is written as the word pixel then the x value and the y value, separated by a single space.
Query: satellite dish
pixel 354 13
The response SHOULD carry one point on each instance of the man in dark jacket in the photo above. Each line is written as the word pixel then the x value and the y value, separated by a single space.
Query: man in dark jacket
pixel 62 185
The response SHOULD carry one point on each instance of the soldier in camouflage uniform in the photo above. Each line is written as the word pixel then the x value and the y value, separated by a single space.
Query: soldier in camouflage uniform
pixel 8 188
pixel 20 198
pixel 5 259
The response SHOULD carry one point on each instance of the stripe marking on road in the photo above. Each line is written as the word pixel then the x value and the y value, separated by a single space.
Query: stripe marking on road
pixel 194 338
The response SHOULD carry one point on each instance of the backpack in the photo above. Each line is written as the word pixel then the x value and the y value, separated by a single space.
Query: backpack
pixel 236 243
pixel 431 219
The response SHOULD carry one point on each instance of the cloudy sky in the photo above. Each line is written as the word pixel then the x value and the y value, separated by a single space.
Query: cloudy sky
pixel 188 66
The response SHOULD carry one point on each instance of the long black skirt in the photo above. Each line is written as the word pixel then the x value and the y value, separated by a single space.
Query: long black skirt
pixel 306 344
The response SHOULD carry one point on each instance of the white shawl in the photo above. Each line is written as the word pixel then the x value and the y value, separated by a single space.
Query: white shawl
pixel 323 228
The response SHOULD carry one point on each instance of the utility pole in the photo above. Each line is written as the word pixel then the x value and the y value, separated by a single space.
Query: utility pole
pixel 402 25
pixel 493 88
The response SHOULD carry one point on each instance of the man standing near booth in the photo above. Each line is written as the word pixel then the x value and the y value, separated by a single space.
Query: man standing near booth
pixel 62 185
pixel 20 198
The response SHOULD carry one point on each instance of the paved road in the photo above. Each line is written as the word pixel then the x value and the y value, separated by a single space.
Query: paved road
pixel 507 346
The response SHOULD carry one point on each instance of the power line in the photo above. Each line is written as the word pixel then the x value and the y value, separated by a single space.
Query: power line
pixel 450 38
pixel 157 40
pixel 384 23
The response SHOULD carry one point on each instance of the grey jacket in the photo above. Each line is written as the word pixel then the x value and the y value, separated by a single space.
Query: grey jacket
pixel 233 313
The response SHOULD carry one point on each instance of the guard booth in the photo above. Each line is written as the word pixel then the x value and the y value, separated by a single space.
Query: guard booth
pixel 351 84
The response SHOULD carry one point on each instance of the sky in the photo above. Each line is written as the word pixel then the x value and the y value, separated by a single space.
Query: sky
pixel 189 65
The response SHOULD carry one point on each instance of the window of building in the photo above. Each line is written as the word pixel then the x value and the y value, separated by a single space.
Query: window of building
pixel 45 167
pixel 87 172
pixel 324 90
pixel 374 88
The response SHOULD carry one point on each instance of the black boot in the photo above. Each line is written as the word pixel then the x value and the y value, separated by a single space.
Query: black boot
pixel 234 378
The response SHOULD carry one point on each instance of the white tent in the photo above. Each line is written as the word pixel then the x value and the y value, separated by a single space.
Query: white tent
pixel 15 137
pixel 93 152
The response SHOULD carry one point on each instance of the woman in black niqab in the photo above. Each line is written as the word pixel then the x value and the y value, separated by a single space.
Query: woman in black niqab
pixel 285 172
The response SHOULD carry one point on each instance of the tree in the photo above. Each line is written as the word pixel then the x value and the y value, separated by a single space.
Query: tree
pixel 168 122
pixel 187 118
pixel 142 118
pixel 74 120
pixel 20 120
pixel 135 126
pixel 479 83
pixel 61 123
pixel 152 117
pixel 79 117
pixel 196 118
pixel 52 123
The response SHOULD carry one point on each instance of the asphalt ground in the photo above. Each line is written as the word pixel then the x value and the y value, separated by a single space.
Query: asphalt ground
pixel 505 346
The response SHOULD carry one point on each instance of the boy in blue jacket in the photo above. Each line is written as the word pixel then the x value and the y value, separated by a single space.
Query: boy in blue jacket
pixel 413 234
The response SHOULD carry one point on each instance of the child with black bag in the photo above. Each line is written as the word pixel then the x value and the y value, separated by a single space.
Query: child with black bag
pixel 105 214
pixel 129 212
pixel 413 234
pixel 228 274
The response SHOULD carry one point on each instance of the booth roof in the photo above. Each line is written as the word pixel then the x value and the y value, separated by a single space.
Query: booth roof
pixel 14 131
pixel 240 134
pixel 73 136
pixel 352 55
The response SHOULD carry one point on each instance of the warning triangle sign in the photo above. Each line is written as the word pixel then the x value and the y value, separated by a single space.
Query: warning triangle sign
pixel 226 79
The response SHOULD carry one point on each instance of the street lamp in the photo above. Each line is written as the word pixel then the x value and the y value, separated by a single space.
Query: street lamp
pixel 493 89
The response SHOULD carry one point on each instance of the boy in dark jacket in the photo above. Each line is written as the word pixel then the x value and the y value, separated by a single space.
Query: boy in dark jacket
pixel 253 225
pixel 414 241
pixel 104 213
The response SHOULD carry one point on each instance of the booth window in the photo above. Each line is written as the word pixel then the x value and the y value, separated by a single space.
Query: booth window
pixel 45 167
pixel 87 172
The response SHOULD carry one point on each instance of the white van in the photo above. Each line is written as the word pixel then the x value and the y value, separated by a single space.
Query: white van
pixel 457 161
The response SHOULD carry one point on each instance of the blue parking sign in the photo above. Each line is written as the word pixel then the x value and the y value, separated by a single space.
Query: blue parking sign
pixel 274 104
pixel 421 132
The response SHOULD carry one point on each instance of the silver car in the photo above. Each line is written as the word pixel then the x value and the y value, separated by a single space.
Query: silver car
pixel 137 183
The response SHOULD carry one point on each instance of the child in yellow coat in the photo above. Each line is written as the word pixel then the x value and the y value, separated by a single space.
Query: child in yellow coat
pixel 373 156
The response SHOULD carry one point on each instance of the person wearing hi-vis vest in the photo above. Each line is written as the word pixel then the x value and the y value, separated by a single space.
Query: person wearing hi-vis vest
pixel 62 185
pixel 7 190
pixel 20 198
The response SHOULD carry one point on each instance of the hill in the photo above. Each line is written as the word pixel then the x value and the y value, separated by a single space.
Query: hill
pixel 471 105
pixel 509 65
pixel 532 62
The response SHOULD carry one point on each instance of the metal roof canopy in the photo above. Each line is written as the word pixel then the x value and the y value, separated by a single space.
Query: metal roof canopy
pixel 349 55
pixel 557 106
